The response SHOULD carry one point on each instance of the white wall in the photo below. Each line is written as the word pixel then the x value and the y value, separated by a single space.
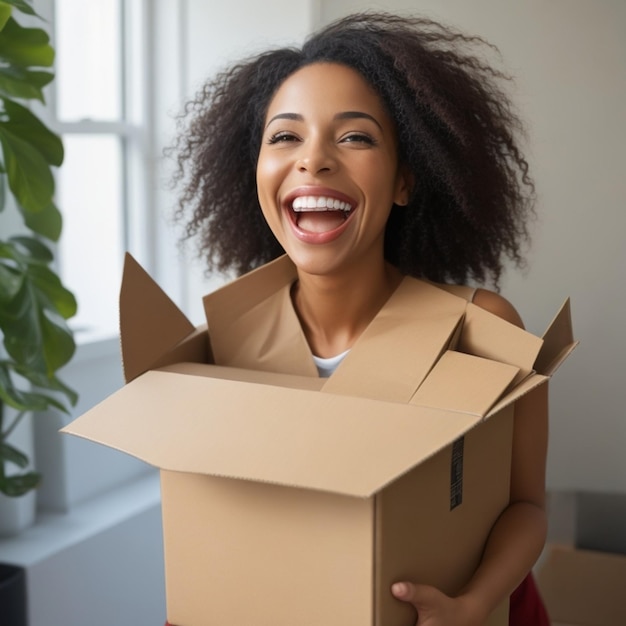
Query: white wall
pixel 569 60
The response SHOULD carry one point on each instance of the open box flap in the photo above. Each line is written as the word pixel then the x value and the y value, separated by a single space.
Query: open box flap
pixel 466 383
pixel 244 375
pixel 194 348
pixel 235 297
pixel 299 436
pixel 252 323
pixel 558 342
pixel 272 434
pixel 528 384
pixel 491 337
pixel 151 325
pixel 478 391
pixel 398 349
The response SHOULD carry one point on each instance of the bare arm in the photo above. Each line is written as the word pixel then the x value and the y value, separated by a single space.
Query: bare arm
pixel 518 536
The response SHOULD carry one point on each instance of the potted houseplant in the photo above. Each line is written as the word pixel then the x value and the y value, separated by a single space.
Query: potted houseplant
pixel 34 304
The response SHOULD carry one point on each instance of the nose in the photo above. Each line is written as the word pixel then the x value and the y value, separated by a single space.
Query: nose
pixel 316 158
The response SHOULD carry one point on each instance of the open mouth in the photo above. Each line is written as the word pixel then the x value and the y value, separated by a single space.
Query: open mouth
pixel 319 214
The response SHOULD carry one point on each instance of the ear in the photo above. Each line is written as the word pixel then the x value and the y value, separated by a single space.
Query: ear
pixel 404 186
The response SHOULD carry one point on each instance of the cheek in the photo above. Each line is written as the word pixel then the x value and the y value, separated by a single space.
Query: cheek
pixel 267 189
pixel 263 192
pixel 268 173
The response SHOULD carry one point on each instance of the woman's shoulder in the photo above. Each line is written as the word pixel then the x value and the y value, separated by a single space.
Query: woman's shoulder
pixel 498 305
pixel 462 291
pixel 488 300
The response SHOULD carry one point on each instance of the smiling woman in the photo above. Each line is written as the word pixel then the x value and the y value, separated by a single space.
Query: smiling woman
pixel 381 152
pixel 339 144
pixel 329 137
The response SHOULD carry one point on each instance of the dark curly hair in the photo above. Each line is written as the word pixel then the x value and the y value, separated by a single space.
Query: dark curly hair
pixel 457 134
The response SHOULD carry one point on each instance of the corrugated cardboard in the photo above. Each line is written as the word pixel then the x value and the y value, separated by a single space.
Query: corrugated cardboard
pixel 293 499
pixel 583 587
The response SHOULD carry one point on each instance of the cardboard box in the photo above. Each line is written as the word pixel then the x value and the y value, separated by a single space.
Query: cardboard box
pixel 583 587
pixel 293 499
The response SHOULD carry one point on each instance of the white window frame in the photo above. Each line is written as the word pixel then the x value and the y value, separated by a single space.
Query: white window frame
pixel 135 132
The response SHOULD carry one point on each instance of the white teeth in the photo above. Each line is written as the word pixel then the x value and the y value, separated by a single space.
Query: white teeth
pixel 319 203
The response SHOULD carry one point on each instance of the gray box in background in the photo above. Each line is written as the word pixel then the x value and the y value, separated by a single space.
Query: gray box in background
pixel 601 522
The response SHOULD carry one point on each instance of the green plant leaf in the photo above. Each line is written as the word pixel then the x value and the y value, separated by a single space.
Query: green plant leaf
pixel 27 250
pixel 18 485
pixel 10 282
pixel 18 398
pixel 5 13
pixel 33 257
pixel 33 320
pixel 52 383
pixel 22 400
pixel 33 335
pixel 21 5
pixel 30 178
pixel 13 455
pixel 52 294
pixel 19 83
pixel 32 400
pixel 28 127
pixel 58 340
pixel 37 337
pixel 25 47
pixel 48 222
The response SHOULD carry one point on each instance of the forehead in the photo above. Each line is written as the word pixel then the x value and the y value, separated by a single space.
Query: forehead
pixel 325 86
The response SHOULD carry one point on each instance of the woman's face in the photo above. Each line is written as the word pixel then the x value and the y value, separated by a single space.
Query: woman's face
pixel 328 172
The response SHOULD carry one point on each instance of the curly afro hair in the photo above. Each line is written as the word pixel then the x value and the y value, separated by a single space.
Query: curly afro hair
pixel 458 135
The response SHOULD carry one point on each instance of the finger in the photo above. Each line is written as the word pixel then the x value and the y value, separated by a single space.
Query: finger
pixel 420 596
pixel 403 591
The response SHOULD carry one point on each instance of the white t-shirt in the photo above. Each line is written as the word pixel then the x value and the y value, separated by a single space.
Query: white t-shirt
pixel 326 367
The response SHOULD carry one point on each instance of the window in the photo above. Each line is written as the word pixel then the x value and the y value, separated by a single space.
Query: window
pixel 98 103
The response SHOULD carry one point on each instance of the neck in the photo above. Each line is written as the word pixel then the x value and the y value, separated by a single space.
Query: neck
pixel 335 309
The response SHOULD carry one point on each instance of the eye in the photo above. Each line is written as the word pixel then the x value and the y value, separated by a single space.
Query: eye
pixel 282 136
pixel 358 138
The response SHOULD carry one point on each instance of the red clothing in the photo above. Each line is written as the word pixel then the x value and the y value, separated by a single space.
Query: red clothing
pixel 526 608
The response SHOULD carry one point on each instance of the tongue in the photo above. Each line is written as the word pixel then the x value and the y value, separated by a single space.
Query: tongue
pixel 320 221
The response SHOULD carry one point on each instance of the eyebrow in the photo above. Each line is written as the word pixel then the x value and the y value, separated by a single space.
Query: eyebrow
pixel 355 115
pixel 344 115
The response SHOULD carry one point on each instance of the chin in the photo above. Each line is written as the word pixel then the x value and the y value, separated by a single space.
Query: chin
pixel 316 263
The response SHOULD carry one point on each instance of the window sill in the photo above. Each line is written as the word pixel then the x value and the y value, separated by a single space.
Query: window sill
pixel 93 343
pixel 55 532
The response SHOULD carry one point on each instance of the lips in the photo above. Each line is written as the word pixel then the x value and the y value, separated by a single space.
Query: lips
pixel 317 214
